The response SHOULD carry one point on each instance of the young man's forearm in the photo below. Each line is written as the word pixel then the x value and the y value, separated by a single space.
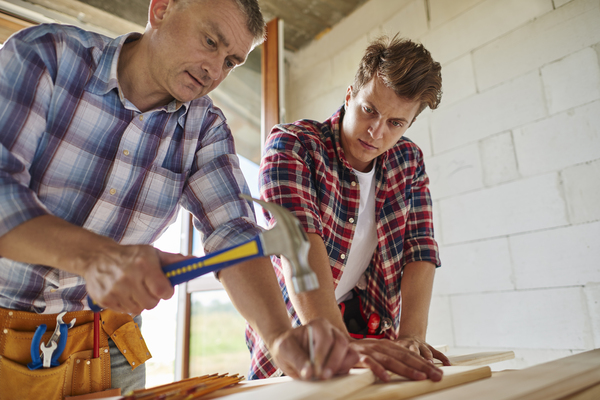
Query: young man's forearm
pixel 416 288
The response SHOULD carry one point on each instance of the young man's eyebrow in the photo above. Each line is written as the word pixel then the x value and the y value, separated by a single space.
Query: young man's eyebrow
pixel 371 105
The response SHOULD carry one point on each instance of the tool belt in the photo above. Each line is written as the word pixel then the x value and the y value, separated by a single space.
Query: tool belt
pixel 357 322
pixel 77 372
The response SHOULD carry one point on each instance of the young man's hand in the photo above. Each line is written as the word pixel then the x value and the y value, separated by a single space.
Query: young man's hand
pixel 419 346
pixel 332 354
pixel 382 355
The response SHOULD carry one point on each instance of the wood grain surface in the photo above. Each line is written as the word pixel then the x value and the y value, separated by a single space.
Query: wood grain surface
pixel 553 380
pixel 401 388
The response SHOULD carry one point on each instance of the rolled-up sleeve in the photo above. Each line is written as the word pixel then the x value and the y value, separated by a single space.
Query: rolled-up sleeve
pixel 286 178
pixel 419 242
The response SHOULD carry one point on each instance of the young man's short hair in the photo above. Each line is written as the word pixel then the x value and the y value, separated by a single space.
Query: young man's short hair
pixel 405 67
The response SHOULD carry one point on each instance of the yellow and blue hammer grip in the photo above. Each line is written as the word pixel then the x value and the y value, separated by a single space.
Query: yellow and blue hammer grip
pixel 189 269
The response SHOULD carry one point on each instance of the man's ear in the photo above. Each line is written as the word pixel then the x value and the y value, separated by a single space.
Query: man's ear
pixel 157 11
pixel 348 96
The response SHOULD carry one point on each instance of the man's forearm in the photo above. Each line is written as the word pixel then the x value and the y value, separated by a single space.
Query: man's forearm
pixel 51 241
pixel 416 289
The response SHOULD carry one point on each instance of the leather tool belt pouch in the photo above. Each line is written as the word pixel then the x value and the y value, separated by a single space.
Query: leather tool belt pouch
pixel 78 372
pixel 355 320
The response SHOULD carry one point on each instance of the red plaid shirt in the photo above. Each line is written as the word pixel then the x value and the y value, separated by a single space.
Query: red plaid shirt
pixel 304 169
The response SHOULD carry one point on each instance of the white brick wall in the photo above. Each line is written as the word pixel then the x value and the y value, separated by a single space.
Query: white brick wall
pixel 513 155
pixel 504 107
pixel 531 319
pixel 456 171
pixel 516 207
pixel 583 193
pixel 560 141
pixel 566 88
pixel 498 159
pixel 476 267
pixel 481 24
pixel 552 36
pixel 557 257
pixel 592 293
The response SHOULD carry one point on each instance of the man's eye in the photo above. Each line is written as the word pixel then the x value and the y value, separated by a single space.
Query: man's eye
pixel 210 42
pixel 368 109
pixel 229 64
pixel 396 124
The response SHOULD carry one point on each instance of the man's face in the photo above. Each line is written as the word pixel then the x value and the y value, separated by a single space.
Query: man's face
pixel 375 119
pixel 195 45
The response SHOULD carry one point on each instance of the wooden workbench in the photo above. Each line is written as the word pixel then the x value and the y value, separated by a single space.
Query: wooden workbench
pixel 575 377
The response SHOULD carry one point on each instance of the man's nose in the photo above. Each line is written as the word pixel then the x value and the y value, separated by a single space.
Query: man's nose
pixel 212 67
pixel 376 130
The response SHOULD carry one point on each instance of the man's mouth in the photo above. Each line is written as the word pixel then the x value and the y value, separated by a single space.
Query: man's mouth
pixel 198 81
pixel 367 145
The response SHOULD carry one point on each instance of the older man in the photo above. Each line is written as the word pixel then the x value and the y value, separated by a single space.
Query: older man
pixel 101 141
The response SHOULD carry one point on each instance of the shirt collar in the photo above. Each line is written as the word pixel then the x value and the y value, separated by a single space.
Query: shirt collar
pixel 105 78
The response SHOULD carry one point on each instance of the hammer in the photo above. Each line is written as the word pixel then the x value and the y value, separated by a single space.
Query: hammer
pixel 287 238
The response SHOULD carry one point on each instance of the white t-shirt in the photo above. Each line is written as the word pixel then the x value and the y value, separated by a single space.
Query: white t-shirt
pixel 364 241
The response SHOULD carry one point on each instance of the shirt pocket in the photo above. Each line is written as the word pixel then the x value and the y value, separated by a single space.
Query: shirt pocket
pixel 158 205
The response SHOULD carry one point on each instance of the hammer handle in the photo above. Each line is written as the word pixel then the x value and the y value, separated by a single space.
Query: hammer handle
pixel 191 268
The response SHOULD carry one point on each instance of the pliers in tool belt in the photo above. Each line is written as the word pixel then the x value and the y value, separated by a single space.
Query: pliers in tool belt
pixel 50 352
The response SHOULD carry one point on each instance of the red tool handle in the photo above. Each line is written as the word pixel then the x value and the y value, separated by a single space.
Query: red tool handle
pixel 96 335
pixel 373 324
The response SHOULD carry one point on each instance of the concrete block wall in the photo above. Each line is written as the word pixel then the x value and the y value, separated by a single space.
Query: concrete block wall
pixel 513 155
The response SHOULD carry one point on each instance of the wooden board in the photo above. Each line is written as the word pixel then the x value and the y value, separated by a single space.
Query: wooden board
pixel 484 358
pixel 592 393
pixel 549 381
pixel 401 388
pixel 336 388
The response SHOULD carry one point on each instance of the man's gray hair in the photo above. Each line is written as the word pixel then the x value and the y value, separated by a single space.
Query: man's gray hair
pixel 254 19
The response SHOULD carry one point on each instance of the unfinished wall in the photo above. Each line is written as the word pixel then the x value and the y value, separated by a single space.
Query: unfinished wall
pixel 513 155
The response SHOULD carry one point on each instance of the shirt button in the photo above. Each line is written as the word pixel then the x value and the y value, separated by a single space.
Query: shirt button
pixel 353 183
pixel 141 117
pixel 113 191
pixel 126 152
pixel 351 220
pixel 343 256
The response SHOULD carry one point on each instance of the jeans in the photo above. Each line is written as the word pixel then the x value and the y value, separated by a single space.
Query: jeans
pixel 121 374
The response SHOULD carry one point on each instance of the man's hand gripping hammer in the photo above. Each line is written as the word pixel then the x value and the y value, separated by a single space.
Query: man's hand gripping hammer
pixel 287 238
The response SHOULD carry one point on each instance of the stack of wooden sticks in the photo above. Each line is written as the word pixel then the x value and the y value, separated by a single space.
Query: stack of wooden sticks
pixel 186 389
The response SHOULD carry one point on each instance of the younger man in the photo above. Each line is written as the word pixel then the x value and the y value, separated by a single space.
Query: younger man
pixel 360 191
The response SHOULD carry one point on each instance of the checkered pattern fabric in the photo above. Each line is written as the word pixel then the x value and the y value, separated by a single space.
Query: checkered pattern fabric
pixel 304 169
pixel 71 145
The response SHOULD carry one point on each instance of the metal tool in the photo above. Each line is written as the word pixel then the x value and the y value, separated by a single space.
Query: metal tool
pixel 59 321
pixel 49 353
pixel 286 238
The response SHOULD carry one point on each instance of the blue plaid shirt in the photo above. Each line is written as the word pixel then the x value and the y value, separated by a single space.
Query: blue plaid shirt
pixel 72 146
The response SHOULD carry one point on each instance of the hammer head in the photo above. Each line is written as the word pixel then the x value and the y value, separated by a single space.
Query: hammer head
pixel 287 238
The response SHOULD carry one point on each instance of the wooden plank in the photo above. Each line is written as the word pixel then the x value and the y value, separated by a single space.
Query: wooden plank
pixel 549 381
pixel 592 393
pixel 401 388
pixel 484 358
pixel 336 388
